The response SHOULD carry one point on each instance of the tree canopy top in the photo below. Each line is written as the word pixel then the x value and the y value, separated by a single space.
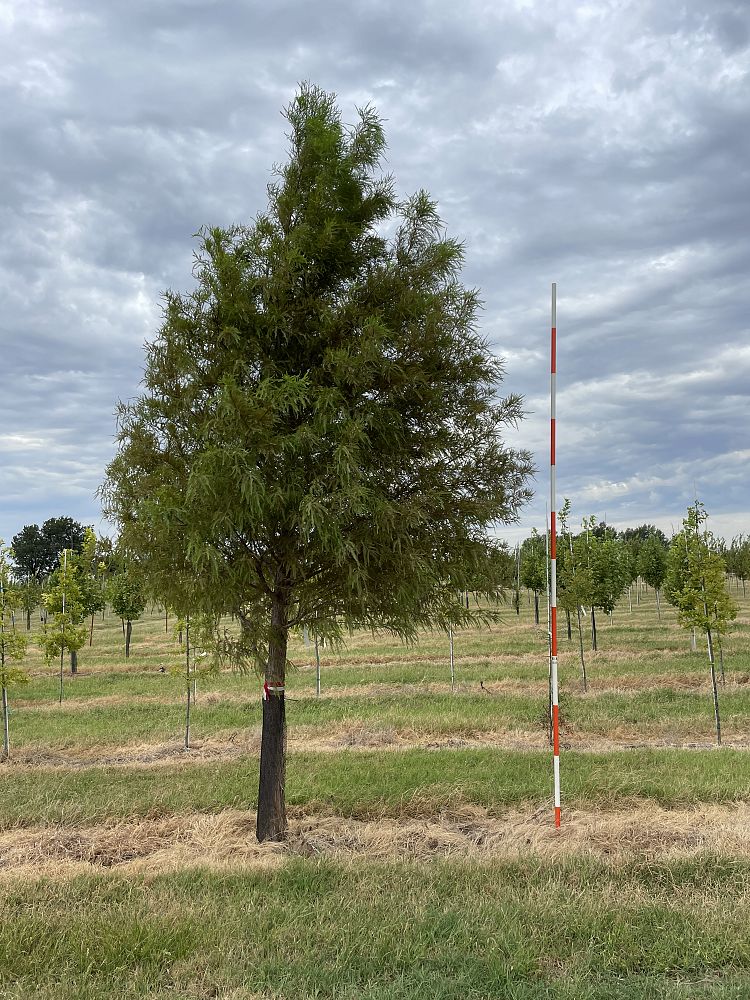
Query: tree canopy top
pixel 321 423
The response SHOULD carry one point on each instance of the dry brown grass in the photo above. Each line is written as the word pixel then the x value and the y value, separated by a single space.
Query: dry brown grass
pixel 92 702
pixel 226 840
pixel 225 746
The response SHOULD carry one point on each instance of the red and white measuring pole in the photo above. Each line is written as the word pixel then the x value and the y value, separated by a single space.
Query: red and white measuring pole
pixel 553 558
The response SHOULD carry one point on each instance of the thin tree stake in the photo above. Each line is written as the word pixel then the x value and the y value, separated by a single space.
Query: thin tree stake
pixel 453 663
pixel 187 678
pixel 317 668
pixel 62 639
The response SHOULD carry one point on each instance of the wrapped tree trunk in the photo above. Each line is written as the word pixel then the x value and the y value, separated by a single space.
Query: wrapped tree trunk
pixel 271 823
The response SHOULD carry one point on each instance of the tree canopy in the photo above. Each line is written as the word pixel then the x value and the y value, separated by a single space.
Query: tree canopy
pixel 36 551
pixel 319 439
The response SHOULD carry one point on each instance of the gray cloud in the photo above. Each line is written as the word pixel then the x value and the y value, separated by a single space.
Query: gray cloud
pixel 602 146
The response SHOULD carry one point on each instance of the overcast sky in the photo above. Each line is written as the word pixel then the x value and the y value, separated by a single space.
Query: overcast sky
pixel 601 145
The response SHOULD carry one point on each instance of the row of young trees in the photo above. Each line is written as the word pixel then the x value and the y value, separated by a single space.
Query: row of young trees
pixel 596 566
pixel 81 585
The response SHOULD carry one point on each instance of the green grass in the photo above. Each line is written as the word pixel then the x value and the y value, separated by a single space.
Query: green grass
pixel 537 929
pixel 681 715
pixel 323 930
pixel 399 782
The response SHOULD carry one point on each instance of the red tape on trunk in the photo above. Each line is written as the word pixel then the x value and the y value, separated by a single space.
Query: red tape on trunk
pixel 269 689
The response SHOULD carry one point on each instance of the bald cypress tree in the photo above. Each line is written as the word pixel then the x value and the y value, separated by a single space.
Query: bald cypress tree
pixel 318 441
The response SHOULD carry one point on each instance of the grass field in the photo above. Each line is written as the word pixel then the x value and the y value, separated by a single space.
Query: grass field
pixel 422 858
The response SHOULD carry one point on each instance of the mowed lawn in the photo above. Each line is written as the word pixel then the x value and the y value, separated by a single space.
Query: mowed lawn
pixel 422 858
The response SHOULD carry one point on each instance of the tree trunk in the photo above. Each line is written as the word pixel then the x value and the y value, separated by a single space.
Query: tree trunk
pixel 714 689
pixel 128 634
pixel 580 643
pixel 593 628
pixel 28 619
pixel 74 661
pixel 658 606
pixel 570 631
pixel 91 631
pixel 536 607
pixel 271 823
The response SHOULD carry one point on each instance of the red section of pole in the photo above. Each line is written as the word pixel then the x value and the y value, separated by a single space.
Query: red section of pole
pixel 553 558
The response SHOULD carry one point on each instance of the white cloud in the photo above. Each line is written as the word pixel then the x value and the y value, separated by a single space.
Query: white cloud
pixel 601 145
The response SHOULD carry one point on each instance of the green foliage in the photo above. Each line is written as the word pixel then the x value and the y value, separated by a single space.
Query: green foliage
pixel 534 562
pixel 610 572
pixel 28 596
pixel 12 643
pixel 90 575
pixel 635 537
pixel 320 428
pixel 36 551
pixel 629 559
pixel 63 601
pixel 695 581
pixel 594 568
pixel 126 595
pixel 737 558
pixel 574 581
pixel 652 562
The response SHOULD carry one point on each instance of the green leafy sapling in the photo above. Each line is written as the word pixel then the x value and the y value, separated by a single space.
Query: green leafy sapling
pixel 12 644
pixel 90 570
pixel 652 565
pixel 695 584
pixel 197 637
pixel 128 601
pixel 65 630
pixel 534 567
pixel 29 594
pixel 574 587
